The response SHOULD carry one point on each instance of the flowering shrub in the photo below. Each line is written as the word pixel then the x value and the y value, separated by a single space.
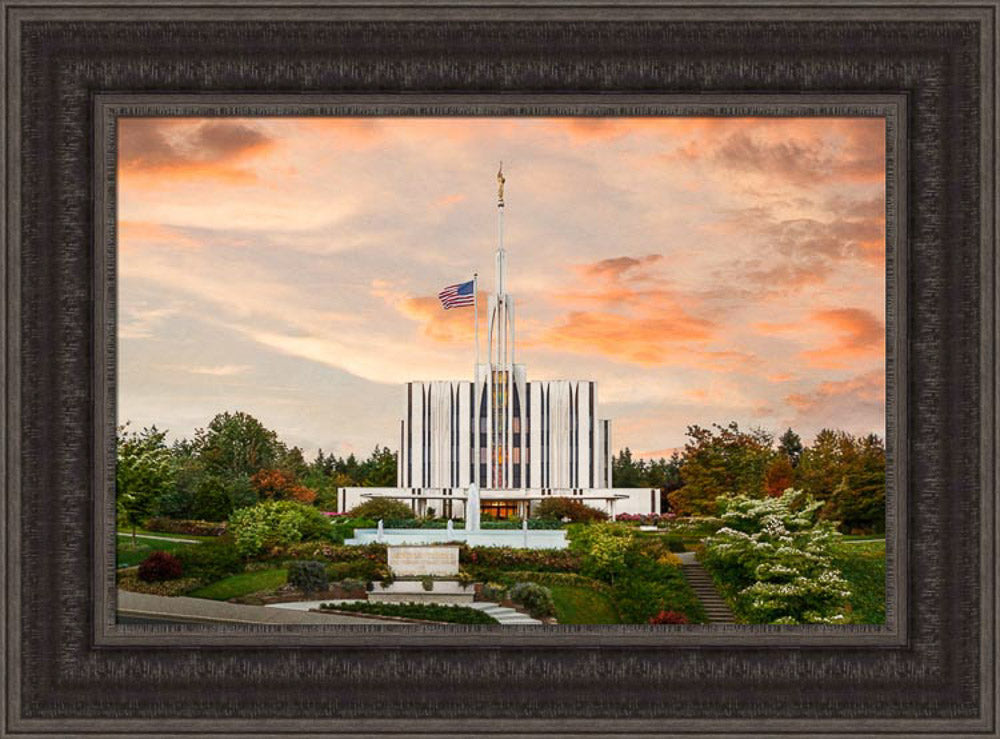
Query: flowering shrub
pixel 369 553
pixel 774 555
pixel 669 617
pixel 275 524
pixel 160 566
pixel 506 558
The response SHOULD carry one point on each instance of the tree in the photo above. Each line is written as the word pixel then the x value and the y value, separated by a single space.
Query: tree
pixel 274 484
pixel 858 501
pixel 384 508
pixel 665 474
pixel 379 470
pixel 238 445
pixel 725 460
pixel 144 471
pixel 790 444
pixel 824 464
pixel 626 472
pixel 780 476
pixel 560 508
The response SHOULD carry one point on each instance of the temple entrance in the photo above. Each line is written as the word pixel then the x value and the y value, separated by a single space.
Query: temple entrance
pixel 501 509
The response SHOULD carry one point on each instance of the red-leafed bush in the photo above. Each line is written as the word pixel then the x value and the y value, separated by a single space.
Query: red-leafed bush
pixel 160 566
pixel 567 508
pixel 669 617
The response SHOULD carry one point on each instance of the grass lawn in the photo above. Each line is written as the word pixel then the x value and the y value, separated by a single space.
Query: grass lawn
pixel 242 584
pixel 127 555
pixel 863 566
pixel 580 605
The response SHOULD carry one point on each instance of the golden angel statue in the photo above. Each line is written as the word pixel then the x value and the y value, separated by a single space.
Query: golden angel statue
pixel 500 181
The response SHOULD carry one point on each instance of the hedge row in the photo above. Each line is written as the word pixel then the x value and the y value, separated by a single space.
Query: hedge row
pixel 181 526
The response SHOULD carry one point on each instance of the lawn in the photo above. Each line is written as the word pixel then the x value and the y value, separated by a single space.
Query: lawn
pixel 128 556
pixel 245 583
pixel 863 566
pixel 580 605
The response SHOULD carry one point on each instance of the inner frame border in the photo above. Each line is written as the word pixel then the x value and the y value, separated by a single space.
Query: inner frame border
pixel 107 108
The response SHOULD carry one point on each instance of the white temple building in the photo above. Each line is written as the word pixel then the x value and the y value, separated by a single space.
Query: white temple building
pixel 520 441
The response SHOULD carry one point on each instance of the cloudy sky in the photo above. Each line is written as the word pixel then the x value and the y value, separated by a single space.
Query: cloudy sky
pixel 700 269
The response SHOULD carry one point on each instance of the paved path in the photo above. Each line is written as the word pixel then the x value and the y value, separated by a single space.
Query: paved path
pixel 201 610
pixel 159 538
pixel 503 615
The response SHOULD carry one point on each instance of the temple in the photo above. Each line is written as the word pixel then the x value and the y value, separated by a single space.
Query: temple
pixel 518 441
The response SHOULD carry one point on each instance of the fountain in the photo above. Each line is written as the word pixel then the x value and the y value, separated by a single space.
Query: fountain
pixel 473 534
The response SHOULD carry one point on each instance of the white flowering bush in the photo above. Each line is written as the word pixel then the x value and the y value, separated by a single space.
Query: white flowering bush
pixel 774 556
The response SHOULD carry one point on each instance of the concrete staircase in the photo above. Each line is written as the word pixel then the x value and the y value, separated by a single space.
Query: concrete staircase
pixel 505 616
pixel 701 583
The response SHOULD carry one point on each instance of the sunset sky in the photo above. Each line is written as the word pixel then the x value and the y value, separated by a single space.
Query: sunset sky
pixel 700 269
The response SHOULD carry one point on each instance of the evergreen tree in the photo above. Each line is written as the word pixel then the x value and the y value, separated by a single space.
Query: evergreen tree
pixel 790 444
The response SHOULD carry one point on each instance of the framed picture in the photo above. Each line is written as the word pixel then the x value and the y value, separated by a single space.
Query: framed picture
pixel 246 246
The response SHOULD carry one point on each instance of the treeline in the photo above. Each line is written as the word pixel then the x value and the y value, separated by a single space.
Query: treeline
pixel 236 461
pixel 233 462
pixel 844 471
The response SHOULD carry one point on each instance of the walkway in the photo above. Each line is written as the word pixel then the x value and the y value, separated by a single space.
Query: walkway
pixel 504 616
pixel 701 583
pixel 159 538
pixel 180 609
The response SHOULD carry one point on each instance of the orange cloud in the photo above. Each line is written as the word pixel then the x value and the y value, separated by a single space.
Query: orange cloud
pixel 866 390
pixel 445 326
pixel 449 200
pixel 220 149
pixel 861 336
pixel 806 152
pixel 133 233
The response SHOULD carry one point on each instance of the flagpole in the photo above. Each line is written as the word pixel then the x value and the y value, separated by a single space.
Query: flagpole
pixel 475 304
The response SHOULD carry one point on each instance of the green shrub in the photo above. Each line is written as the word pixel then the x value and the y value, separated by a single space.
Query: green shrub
pixel 675 543
pixel 211 560
pixel 309 576
pixel 160 566
pixel 536 599
pixel 384 508
pixel 567 508
pixel 184 526
pixel 276 524
pixel 604 548
pixel 422 611
pixel 351 584
pixel 493 591
pixel 361 569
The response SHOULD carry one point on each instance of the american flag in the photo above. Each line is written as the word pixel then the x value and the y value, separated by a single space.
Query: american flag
pixel 458 296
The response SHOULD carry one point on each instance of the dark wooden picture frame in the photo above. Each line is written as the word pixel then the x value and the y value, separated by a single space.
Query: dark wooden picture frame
pixel 72 68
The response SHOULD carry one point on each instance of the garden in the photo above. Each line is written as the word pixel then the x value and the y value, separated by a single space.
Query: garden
pixel 789 533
